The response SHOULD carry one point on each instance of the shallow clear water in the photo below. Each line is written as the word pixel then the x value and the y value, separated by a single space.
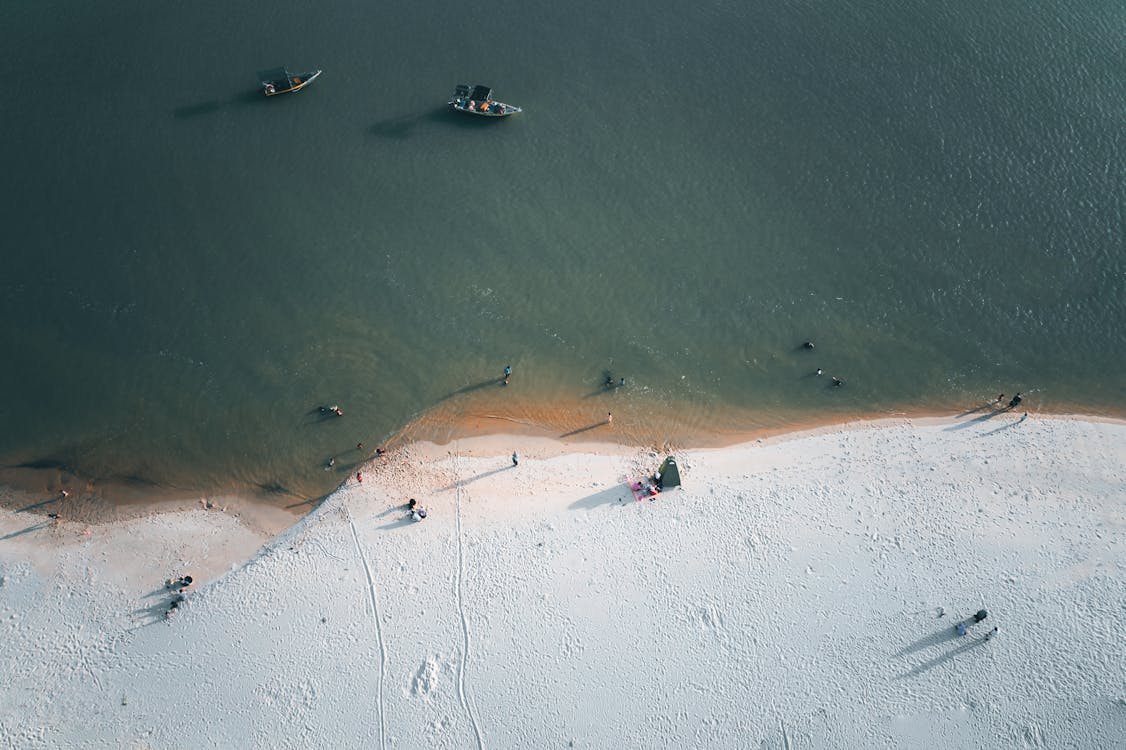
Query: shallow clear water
pixel 933 193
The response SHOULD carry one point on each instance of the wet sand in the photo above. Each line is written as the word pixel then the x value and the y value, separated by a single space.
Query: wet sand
pixel 474 413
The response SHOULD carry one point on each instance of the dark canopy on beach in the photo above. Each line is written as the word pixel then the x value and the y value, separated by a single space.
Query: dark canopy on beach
pixel 670 475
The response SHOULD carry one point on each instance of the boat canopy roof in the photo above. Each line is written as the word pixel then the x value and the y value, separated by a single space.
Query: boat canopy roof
pixel 481 93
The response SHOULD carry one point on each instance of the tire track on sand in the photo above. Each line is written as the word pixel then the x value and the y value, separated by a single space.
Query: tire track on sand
pixel 378 627
pixel 461 692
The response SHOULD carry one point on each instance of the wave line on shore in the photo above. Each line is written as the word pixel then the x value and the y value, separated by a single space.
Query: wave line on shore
pixel 461 609
pixel 374 597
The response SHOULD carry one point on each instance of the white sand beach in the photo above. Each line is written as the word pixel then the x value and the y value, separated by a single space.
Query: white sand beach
pixel 796 592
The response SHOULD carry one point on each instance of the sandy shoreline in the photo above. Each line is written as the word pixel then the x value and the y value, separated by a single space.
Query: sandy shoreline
pixel 796 591
pixel 570 428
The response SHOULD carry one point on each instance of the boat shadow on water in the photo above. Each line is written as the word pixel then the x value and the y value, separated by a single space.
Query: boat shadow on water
pixel 211 106
pixel 405 126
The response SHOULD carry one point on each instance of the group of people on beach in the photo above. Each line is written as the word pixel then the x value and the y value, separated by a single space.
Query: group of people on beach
pixel 962 627
pixel 336 411
pixel 180 585
pixel 1014 402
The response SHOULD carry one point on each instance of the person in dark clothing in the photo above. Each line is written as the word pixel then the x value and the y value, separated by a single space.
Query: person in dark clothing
pixel 1016 401
pixel 980 615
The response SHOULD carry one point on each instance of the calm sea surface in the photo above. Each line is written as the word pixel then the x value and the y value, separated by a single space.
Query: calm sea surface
pixel 933 192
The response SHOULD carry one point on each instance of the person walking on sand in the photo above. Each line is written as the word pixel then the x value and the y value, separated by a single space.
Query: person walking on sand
pixel 515 459
pixel 360 477
pixel 991 633
pixel 609 418
pixel 1015 402
pixel 1000 399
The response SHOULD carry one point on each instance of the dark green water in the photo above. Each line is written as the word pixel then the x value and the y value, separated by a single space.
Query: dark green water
pixel 931 191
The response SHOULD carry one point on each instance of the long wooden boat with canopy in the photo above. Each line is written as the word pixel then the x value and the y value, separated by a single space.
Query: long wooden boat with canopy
pixel 281 81
pixel 478 100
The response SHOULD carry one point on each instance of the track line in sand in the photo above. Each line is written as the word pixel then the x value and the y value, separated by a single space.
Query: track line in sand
pixel 374 597
pixel 461 609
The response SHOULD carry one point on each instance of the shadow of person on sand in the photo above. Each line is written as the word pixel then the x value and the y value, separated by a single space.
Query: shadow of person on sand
pixel 311 502
pixel 33 506
pixel 589 427
pixel 151 614
pixel 945 635
pixel 162 591
pixel 995 430
pixel 614 496
pixel 938 660
pixel 406 520
pixel 21 532
pixel 978 420
pixel 470 480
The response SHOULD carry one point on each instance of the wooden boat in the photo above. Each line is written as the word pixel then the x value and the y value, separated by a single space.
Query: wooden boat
pixel 279 81
pixel 478 100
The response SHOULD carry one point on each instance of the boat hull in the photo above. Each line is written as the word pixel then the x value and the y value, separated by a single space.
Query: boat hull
pixel 290 85
pixel 494 109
